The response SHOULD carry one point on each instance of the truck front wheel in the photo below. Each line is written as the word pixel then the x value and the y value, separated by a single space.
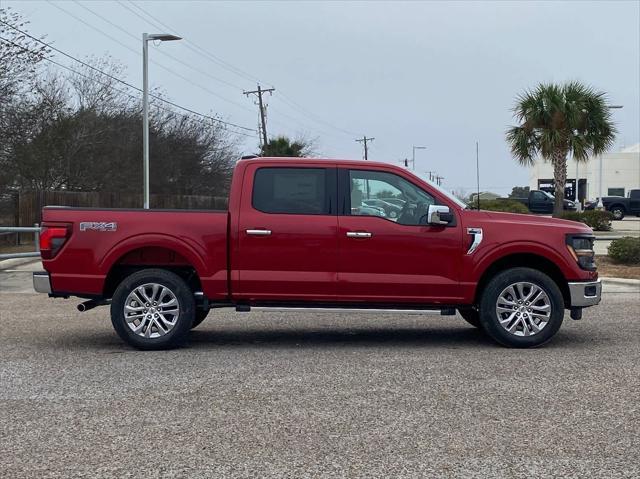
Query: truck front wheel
pixel 153 309
pixel 521 308
pixel 201 315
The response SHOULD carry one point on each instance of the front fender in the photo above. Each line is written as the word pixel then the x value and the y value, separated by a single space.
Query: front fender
pixel 485 257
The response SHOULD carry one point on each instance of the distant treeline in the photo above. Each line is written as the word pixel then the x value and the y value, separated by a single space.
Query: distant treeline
pixel 83 131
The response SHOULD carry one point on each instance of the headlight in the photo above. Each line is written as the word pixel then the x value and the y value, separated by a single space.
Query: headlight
pixel 581 248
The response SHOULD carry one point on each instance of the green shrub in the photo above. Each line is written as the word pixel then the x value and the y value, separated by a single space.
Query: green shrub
pixel 625 250
pixel 573 216
pixel 599 220
pixel 508 206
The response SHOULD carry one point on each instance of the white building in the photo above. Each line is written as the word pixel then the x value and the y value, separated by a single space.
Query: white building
pixel 620 173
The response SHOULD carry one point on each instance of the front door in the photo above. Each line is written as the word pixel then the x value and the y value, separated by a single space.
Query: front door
pixel 390 260
pixel 287 238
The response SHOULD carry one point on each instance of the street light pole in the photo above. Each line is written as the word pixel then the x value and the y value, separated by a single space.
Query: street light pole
pixel 600 204
pixel 146 37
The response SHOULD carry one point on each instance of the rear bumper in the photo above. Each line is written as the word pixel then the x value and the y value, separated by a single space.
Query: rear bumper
pixel 42 282
pixel 585 294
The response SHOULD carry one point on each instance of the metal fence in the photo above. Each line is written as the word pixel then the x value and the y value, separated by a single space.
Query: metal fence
pixel 8 230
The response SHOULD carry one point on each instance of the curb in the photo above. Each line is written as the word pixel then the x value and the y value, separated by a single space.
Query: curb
pixel 608 238
pixel 12 263
pixel 632 282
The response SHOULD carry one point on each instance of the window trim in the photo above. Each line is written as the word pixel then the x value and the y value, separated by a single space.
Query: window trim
pixel 330 189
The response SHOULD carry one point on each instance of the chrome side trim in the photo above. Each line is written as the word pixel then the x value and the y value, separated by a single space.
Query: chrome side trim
pixel 578 297
pixel 259 232
pixel 285 309
pixel 41 282
pixel 477 238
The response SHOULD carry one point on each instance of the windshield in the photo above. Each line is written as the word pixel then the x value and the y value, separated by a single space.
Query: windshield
pixel 444 192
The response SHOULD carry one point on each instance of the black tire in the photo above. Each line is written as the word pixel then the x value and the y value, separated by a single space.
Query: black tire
pixel 617 212
pixel 175 336
pixel 490 295
pixel 471 316
pixel 201 315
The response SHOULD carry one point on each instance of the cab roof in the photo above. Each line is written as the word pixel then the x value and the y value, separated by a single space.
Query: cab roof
pixel 302 161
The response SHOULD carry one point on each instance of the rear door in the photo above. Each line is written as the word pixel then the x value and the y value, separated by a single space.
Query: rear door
pixel 287 238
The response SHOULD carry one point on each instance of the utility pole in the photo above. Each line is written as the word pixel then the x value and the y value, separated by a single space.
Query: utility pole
pixel 364 141
pixel 263 113
pixel 413 154
pixel 478 173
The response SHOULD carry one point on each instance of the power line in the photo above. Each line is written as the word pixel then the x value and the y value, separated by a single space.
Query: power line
pixel 168 55
pixel 121 91
pixel 232 68
pixel 188 80
pixel 191 45
pixel 159 98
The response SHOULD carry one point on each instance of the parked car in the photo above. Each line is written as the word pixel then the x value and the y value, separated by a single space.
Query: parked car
pixel 619 205
pixel 540 201
pixel 368 211
pixel 291 239
pixel 390 210
pixel 395 201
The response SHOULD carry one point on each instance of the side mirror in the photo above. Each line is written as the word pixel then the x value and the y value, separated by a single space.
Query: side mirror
pixel 439 215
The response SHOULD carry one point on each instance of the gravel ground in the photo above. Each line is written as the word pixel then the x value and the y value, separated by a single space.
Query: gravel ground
pixel 317 395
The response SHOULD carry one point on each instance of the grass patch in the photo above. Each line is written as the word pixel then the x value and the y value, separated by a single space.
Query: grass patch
pixel 607 268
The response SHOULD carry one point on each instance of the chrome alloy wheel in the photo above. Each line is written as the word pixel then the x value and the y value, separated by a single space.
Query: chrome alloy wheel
pixel 151 310
pixel 523 309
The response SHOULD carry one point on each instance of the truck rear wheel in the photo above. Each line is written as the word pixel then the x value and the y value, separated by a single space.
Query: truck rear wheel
pixel 153 309
pixel 617 212
pixel 521 308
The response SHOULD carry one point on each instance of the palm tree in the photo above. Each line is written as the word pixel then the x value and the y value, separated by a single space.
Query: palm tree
pixel 283 146
pixel 558 120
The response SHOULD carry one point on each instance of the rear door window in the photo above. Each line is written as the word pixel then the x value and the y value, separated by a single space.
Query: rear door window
pixel 301 191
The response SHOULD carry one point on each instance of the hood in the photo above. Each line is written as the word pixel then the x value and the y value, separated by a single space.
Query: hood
pixel 517 219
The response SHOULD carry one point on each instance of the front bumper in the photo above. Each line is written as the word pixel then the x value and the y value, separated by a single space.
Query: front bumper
pixel 42 282
pixel 585 294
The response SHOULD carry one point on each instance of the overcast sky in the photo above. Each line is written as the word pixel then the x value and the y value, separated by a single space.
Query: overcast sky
pixel 438 74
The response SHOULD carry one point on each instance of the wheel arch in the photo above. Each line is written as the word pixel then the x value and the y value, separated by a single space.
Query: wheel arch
pixel 523 260
pixel 618 205
pixel 152 252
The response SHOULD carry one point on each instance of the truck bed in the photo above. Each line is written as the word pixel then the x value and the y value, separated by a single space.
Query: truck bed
pixel 103 240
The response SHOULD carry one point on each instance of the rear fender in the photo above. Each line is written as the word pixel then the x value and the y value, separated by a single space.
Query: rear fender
pixel 191 254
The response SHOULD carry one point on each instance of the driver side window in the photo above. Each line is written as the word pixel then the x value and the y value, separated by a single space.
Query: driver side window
pixel 389 196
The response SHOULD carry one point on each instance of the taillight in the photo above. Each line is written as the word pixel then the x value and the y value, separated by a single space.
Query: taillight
pixel 51 240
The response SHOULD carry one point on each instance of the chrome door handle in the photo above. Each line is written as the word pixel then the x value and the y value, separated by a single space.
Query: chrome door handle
pixel 259 232
pixel 359 234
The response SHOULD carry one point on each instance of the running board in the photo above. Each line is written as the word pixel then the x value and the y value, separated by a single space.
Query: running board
pixel 245 308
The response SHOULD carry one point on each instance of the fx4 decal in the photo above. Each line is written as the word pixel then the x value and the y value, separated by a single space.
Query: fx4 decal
pixel 98 226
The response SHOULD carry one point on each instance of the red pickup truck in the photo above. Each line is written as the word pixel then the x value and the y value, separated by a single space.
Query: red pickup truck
pixel 298 233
